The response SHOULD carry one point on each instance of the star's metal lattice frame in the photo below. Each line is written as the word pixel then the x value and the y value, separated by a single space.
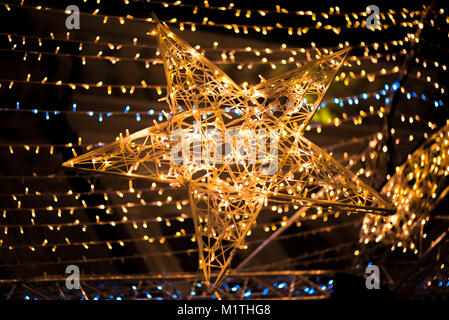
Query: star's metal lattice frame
pixel 415 189
pixel 227 196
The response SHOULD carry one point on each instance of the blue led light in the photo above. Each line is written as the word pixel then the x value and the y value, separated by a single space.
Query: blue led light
pixel 34 111
pixel 47 116
pixel 364 96
pixel 137 117
pixel 408 95
pixel 160 118
pixel 151 112
pixel 395 86
pixel 247 294
pixel 159 287
pixel 90 113
pixel 100 117
pixel 74 107
pixel 331 281
pixel 235 288
pixel 27 297
pixel 377 96
pixel 134 288
pixel 282 285
pixel 149 296
pixel 17 105
pixel 265 291
pixel 423 96
pixel 127 109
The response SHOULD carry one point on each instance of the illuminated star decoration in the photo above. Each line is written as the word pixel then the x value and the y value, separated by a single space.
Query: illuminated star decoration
pixel 227 196
pixel 416 189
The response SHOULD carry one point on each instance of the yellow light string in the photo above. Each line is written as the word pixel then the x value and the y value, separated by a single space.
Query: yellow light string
pixel 240 12
pixel 24 39
pixel 235 27
pixel 428 80
pixel 130 88
pixel 147 255
pixel 161 239
pixel 155 61
pixel 123 88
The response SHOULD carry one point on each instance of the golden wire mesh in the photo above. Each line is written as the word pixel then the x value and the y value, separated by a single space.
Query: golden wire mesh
pixel 210 113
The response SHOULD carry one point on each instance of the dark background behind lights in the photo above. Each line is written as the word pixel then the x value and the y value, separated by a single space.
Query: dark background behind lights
pixel 43 172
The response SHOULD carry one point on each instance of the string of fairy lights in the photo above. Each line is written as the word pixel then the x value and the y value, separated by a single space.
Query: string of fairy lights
pixel 340 101
pixel 269 227
pixel 333 11
pixel 124 88
pixel 158 61
pixel 241 64
pixel 244 28
pixel 190 251
pixel 18 46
